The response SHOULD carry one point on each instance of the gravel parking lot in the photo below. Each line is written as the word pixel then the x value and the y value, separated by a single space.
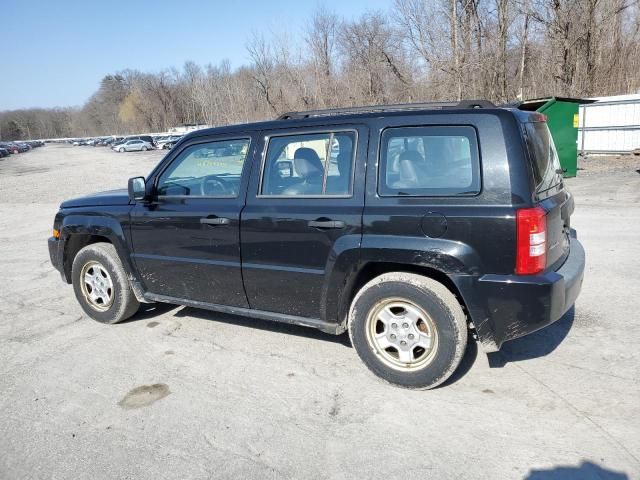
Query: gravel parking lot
pixel 182 393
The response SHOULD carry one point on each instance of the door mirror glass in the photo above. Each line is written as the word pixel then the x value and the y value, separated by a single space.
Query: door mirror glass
pixel 285 168
pixel 137 188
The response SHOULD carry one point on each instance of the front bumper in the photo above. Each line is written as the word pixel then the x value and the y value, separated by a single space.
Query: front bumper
pixel 504 307
pixel 56 251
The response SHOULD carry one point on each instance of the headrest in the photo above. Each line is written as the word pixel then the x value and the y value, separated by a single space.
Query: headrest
pixel 307 162
pixel 411 155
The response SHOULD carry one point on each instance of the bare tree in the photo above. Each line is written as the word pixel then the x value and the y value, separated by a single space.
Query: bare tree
pixel 321 38
pixel 263 65
pixel 419 50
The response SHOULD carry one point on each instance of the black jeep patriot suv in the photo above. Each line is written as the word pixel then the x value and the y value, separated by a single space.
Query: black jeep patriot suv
pixel 410 226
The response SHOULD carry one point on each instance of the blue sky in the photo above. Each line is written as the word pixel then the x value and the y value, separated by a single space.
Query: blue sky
pixel 54 53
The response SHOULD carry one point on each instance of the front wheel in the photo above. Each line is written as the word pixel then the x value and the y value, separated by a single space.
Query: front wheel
pixel 144 149
pixel 121 150
pixel 408 329
pixel 101 285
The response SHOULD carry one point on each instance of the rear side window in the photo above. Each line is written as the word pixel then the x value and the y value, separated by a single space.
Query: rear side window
pixel 311 165
pixel 429 161
pixel 544 158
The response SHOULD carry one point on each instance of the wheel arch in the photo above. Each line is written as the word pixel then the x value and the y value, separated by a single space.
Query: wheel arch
pixel 73 244
pixel 371 270
pixel 78 231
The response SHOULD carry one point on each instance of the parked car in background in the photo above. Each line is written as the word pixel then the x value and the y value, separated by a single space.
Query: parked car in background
pixel 109 141
pixel 4 152
pixel 133 146
pixel 144 138
pixel 167 142
pixel 11 147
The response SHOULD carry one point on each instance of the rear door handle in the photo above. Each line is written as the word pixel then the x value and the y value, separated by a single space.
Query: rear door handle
pixel 215 221
pixel 326 224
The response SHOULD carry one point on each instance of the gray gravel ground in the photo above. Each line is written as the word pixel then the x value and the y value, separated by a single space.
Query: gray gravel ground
pixel 182 393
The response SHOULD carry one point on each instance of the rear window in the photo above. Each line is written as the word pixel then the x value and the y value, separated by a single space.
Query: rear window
pixel 544 158
pixel 429 161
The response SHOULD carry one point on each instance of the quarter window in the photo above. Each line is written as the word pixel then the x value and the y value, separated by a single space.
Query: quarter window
pixel 206 169
pixel 429 161
pixel 546 166
pixel 315 164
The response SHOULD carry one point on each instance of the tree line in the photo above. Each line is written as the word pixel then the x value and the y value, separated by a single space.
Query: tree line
pixel 418 50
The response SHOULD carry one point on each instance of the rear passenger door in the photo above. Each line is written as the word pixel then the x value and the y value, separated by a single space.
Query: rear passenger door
pixel 303 217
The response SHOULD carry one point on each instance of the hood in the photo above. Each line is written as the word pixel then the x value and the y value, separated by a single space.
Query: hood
pixel 111 197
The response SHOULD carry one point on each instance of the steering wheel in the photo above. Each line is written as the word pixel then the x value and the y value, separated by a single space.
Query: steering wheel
pixel 213 185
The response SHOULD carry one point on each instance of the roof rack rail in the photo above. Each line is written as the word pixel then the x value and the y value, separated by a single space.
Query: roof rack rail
pixel 387 108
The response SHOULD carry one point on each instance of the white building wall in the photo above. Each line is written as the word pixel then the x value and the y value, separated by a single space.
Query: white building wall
pixel 611 124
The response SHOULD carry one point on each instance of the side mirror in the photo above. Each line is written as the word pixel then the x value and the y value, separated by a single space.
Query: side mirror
pixel 285 168
pixel 137 189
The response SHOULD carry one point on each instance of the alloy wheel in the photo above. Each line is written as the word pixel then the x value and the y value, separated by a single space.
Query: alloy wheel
pixel 402 334
pixel 97 286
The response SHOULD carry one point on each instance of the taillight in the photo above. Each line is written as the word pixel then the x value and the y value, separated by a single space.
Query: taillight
pixel 531 240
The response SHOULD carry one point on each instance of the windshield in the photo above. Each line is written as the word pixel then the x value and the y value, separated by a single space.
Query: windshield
pixel 544 157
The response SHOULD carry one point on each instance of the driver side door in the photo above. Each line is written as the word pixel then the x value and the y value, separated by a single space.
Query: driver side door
pixel 186 239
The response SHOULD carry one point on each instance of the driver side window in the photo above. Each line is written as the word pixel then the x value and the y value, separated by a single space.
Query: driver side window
pixel 210 169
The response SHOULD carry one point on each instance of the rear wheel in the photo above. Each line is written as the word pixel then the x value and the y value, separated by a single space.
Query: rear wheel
pixel 408 329
pixel 101 285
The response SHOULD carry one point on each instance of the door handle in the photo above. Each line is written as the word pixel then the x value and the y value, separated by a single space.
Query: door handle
pixel 215 221
pixel 326 224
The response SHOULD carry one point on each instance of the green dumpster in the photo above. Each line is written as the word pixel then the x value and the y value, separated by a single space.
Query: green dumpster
pixel 562 118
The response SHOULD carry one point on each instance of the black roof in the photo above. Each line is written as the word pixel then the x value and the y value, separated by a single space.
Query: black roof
pixel 313 117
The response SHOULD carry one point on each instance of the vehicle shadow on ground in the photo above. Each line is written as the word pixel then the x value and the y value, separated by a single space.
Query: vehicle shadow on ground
pixel 468 360
pixel 534 345
pixel 584 471
pixel 265 325
pixel 150 310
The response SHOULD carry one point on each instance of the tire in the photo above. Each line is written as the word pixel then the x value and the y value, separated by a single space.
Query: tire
pixel 401 307
pixel 144 149
pixel 121 150
pixel 110 299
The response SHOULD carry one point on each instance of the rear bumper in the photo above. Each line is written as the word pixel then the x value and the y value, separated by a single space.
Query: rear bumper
pixel 504 307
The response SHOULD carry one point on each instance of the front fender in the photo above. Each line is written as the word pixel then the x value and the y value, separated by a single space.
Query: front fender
pixel 102 224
